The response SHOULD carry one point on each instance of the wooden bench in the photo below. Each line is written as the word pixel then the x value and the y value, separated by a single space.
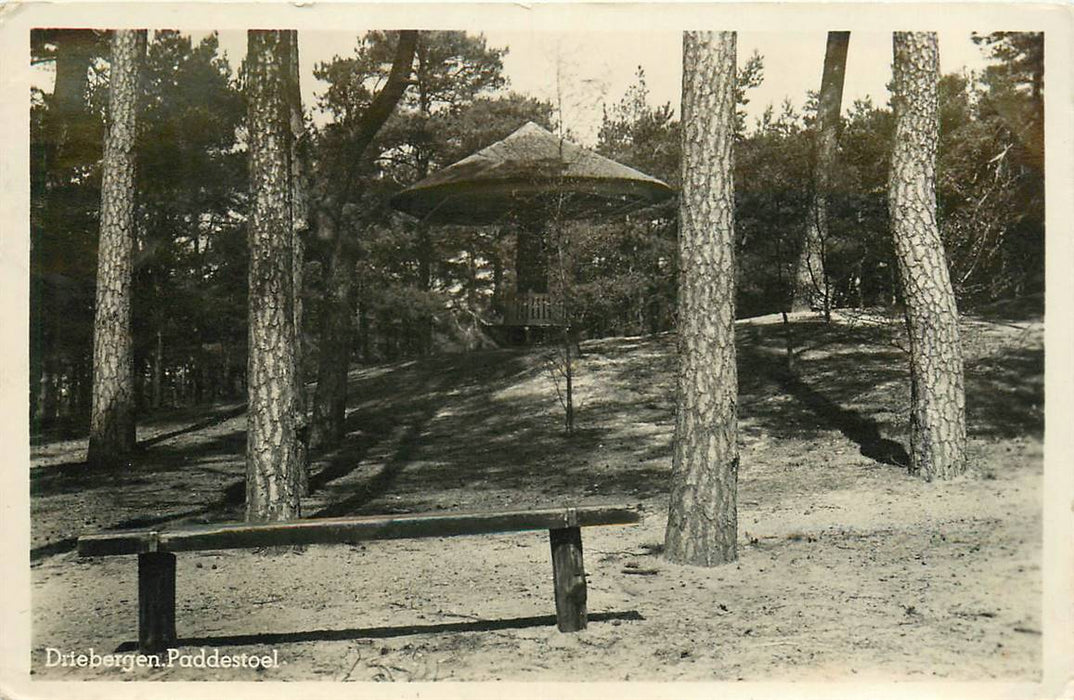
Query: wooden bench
pixel 156 548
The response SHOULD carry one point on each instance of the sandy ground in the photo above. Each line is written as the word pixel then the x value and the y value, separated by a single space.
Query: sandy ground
pixel 849 568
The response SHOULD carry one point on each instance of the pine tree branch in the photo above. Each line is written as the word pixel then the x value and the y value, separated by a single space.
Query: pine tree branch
pixel 384 103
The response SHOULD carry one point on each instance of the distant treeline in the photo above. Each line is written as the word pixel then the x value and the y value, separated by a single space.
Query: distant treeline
pixel 414 289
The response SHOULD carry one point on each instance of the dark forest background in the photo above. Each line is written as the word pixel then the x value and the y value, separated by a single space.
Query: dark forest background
pixel 417 290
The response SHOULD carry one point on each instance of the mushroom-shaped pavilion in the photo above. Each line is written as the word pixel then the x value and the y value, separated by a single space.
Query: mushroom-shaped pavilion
pixel 525 182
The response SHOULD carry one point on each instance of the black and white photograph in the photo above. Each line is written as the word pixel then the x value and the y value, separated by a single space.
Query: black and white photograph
pixel 452 347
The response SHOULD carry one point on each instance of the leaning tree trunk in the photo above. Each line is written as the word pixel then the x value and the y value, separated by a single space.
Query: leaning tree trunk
pixel 330 398
pixel 112 414
pixel 273 467
pixel 702 520
pixel 938 413
pixel 811 288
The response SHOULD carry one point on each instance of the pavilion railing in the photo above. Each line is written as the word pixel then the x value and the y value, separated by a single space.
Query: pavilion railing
pixel 532 309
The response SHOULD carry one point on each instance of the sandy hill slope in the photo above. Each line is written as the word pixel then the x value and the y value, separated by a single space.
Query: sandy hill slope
pixel 849 567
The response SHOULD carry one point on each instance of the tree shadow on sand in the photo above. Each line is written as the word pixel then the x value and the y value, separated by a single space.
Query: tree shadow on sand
pixel 762 364
pixel 207 472
pixel 863 431
pixel 482 430
pixel 386 431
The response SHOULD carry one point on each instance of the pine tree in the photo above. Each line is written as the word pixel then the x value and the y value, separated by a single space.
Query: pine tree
pixel 112 435
pixel 330 398
pixel 298 162
pixel 703 521
pixel 938 410
pixel 811 288
pixel 66 138
pixel 273 468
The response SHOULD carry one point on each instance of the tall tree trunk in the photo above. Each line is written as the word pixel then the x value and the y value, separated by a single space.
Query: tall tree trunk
pixel 426 255
pixel 300 227
pixel 112 416
pixel 65 148
pixel 811 281
pixel 702 520
pixel 938 414
pixel 330 398
pixel 273 469
pixel 75 49
pixel 158 368
pixel 497 280
pixel 555 237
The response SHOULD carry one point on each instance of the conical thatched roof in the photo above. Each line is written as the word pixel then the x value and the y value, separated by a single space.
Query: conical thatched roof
pixel 530 174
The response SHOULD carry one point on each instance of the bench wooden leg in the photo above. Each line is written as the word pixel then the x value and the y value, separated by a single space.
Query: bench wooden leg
pixel 568 573
pixel 156 602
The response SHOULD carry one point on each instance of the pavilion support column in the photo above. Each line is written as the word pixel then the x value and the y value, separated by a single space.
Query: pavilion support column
pixel 531 259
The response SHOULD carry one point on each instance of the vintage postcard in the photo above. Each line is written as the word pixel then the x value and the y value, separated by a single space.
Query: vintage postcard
pixel 651 349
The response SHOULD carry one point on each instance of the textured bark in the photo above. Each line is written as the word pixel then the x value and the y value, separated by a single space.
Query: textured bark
pixel 938 415
pixel 273 469
pixel 811 281
pixel 112 413
pixel 702 520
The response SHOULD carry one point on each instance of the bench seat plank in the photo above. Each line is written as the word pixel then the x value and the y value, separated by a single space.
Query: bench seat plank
pixel 347 530
pixel 156 548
